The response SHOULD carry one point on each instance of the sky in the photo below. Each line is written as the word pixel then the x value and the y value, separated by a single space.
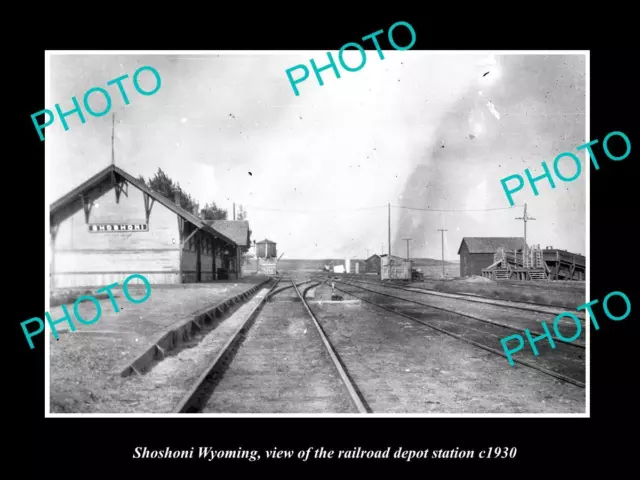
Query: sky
pixel 315 172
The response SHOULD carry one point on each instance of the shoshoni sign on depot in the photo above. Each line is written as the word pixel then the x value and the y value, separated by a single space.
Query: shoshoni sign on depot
pixel 332 63
pixel 67 317
pixel 116 81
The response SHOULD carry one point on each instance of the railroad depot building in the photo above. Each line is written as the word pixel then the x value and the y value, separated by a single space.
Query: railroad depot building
pixel 238 232
pixel 113 225
pixel 476 253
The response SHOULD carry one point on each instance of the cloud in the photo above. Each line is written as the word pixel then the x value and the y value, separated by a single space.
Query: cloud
pixel 358 141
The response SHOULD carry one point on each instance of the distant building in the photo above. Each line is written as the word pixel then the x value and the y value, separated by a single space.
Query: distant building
pixel 353 265
pixel 373 264
pixel 348 265
pixel 394 258
pixel 266 249
pixel 477 253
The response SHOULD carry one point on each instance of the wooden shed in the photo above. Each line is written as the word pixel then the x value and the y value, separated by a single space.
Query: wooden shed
pixel 477 253
pixel 113 225
pixel 373 264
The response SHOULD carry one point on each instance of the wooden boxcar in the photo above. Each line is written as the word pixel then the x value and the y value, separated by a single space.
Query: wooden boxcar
pixel 396 268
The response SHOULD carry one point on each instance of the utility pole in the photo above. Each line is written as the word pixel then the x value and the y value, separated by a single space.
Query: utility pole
pixel 525 218
pixel 389 231
pixel 382 249
pixel 408 240
pixel 255 248
pixel 442 230
pixel 113 128
pixel 234 210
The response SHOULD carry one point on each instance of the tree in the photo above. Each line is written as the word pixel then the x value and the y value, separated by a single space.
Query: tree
pixel 242 215
pixel 163 184
pixel 212 212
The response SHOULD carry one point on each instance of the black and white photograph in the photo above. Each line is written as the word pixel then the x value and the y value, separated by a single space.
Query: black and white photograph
pixel 244 233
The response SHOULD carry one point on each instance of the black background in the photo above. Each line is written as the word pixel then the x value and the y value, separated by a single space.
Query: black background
pixel 71 447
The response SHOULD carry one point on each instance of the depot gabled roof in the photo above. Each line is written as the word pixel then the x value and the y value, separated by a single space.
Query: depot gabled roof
pixel 57 207
pixel 236 230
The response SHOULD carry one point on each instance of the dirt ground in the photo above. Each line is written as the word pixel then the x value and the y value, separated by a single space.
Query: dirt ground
pixel 399 366
pixel 565 359
pixel 161 389
pixel 564 295
pixel 550 293
pixel 516 318
pixel 435 271
pixel 281 367
pixel 404 367
pixel 85 365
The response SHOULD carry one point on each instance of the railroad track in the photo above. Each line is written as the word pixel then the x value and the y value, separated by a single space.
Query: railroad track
pixel 472 297
pixel 508 327
pixel 202 396
pixel 566 357
pixel 566 284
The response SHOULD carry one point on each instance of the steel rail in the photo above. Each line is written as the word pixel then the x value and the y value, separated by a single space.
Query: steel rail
pixel 290 286
pixel 192 398
pixel 483 320
pixel 557 309
pixel 551 373
pixel 355 399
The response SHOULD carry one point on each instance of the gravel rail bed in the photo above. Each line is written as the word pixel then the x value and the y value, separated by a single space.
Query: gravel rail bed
pixel 85 365
pixel 404 367
pixel 517 320
pixel 564 359
pixel 281 367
